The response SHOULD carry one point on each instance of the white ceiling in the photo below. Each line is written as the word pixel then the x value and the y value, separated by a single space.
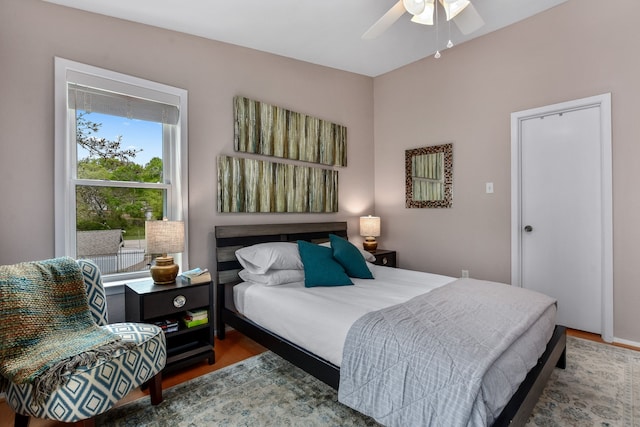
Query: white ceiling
pixel 324 32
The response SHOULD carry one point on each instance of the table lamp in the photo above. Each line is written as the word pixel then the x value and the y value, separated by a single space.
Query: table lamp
pixel 164 237
pixel 370 229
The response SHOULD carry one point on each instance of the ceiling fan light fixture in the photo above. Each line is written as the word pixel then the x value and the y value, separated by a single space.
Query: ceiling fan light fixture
pixel 426 17
pixel 453 7
pixel 414 7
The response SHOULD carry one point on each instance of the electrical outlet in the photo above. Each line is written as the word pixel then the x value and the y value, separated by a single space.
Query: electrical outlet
pixel 465 274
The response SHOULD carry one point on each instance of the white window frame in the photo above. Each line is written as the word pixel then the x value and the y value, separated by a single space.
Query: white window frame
pixel 174 154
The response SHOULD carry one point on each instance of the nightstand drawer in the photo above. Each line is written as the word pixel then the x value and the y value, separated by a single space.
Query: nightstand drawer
pixel 175 301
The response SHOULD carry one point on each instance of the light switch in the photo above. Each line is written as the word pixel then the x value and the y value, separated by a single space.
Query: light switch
pixel 489 187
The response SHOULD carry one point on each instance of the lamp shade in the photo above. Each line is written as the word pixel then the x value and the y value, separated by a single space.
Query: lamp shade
pixel 414 7
pixel 164 237
pixel 453 7
pixel 426 17
pixel 370 226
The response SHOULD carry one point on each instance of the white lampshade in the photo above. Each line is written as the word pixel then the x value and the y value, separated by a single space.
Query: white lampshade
pixel 370 226
pixel 453 7
pixel 426 17
pixel 414 7
pixel 164 237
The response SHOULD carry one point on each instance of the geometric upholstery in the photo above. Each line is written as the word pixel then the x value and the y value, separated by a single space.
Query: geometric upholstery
pixel 93 389
pixel 95 291
pixel 96 388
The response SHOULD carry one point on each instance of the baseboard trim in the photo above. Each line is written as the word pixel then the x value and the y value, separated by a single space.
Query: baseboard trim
pixel 627 342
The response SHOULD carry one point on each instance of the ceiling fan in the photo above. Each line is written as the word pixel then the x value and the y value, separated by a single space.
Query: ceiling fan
pixel 423 11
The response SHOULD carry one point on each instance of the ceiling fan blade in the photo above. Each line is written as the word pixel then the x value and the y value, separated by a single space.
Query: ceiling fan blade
pixel 469 20
pixel 385 21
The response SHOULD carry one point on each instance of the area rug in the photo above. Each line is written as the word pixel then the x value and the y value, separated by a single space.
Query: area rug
pixel 600 387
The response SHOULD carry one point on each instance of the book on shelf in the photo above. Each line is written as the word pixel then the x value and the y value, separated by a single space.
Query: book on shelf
pixel 167 325
pixel 195 276
pixel 196 322
pixel 197 314
pixel 197 317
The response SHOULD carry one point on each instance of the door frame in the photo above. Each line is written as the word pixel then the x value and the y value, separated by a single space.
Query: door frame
pixel 603 102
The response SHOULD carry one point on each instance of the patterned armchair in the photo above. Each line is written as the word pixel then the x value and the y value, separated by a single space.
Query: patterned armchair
pixel 93 389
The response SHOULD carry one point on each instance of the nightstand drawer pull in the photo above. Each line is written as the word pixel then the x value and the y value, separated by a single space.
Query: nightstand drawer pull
pixel 179 301
pixel 385 258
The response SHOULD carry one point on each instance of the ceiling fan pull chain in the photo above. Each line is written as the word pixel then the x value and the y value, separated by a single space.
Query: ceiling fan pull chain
pixel 449 43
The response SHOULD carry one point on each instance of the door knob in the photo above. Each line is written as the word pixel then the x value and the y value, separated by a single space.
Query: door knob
pixel 528 229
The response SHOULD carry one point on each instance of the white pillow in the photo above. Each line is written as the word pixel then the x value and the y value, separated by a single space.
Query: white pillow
pixel 260 258
pixel 273 277
pixel 368 256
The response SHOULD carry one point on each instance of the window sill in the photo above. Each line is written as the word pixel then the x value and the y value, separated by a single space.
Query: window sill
pixel 117 286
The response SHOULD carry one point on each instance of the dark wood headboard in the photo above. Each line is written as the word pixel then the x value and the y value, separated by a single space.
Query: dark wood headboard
pixel 230 238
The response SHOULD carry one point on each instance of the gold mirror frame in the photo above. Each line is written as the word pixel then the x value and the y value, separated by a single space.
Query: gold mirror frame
pixel 429 177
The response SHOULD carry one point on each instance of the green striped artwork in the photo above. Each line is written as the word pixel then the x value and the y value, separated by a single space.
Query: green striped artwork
pixel 428 179
pixel 260 128
pixel 250 185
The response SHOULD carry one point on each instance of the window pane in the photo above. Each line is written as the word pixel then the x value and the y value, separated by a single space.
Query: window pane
pixel 126 138
pixel 117 148
pixel 110 225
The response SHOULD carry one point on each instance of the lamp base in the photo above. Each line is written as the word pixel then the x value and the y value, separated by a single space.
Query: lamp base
pixel 164 272
pixel 370 244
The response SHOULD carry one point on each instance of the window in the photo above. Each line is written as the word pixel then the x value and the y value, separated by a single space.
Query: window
pixel 120 159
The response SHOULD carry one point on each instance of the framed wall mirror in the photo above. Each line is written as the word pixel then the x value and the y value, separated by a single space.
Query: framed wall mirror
pixel 429 176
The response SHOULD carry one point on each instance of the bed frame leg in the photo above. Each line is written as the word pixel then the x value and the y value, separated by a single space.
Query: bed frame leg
pixel 221 332
pixel 219 308
pixel 562 361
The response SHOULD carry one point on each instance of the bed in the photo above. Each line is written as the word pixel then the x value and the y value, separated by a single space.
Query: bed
pixel 326 365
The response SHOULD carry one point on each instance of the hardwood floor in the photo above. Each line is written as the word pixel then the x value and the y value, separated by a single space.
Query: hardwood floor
pixel 234 348
pixel 597 338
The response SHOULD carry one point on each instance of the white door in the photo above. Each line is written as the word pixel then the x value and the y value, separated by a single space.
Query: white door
pixel 562 210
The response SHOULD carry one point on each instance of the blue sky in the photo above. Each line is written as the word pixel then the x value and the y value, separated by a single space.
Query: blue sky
pixel 136 134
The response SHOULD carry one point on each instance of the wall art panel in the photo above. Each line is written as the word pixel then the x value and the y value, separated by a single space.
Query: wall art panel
pixel 265 129
pixel 250 185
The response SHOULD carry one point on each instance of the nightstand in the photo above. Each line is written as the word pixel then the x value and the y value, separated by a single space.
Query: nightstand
pixel 149 303
pixel 385 257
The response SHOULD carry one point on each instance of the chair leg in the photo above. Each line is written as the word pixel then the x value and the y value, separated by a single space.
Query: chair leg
pixel 21 420
pixel 155 388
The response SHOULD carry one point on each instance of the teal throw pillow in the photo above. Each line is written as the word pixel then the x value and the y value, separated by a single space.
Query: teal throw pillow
pixel 349 257
pixel 320 269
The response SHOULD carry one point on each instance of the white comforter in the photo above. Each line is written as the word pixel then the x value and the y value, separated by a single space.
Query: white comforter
pixel 318 319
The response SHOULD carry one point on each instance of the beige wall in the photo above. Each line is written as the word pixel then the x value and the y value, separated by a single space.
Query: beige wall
pixel 32 32
pixel 465 97
pixel 578 49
